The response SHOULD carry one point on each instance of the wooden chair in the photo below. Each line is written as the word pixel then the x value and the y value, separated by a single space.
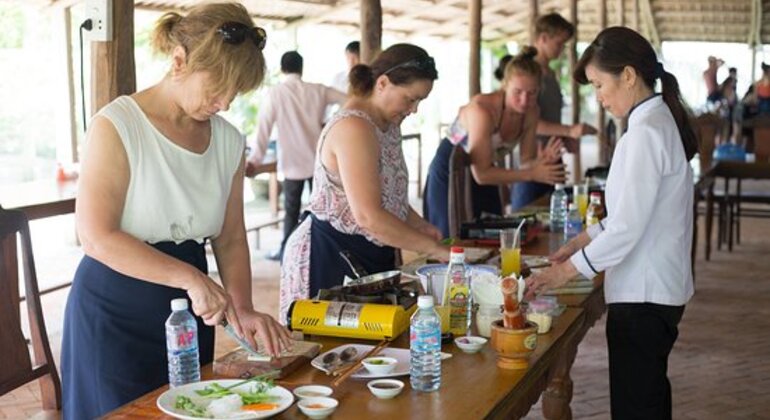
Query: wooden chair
pixel 706 127
pixel 459 200
pixel 17 367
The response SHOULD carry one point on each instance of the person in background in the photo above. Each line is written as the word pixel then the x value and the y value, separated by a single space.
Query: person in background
pixel 490 125
pixel 710 77
pixel 163 174
pixel 552 31
pixel 728 90
pixel 644 243
pixel 360 202
pixel 762 90
pixel 297 108
pixel 352 58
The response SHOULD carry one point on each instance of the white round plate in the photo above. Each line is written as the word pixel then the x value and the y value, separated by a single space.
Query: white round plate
pixel 167 400
pixel 401 355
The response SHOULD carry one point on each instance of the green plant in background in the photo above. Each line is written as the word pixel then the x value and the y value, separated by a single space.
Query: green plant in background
pixel 13 23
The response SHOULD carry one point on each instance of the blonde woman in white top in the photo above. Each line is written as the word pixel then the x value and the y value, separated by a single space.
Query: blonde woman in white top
pixel 162 174
pixel 644 243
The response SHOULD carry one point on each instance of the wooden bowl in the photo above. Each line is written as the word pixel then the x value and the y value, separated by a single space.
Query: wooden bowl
pixel 513 346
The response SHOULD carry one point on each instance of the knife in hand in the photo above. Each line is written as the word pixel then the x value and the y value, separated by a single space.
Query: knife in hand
pixel 241 341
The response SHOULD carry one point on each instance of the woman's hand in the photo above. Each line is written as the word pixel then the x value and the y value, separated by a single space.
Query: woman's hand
pixel 581 129
pixel 211 302
pixel 431 231
pixel 550 278
pixel 262 328
pixel 439 253
pixel 546 171
pixel 552 150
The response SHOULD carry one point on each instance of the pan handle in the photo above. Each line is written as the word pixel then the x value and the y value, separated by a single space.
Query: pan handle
pixel 352 262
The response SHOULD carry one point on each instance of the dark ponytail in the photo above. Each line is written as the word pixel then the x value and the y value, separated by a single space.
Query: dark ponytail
pixel 500 70
pixel 400 63
pixel 619 47
pixel 673 98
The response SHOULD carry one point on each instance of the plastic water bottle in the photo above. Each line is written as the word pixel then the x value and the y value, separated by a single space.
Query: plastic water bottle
pixel 425 346
pixel 558 208
pixel 182 345
pixel 574 223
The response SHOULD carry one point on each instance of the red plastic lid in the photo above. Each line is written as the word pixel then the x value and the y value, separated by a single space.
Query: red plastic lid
pixel 457 250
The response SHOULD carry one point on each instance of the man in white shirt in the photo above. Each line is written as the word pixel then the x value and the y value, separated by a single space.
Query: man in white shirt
pixel 296 108
pixel 352 57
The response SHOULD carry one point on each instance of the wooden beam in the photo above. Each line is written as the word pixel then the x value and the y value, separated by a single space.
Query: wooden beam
pixel 574 87
pixel 621 5
pixel 113 71
pixel 652 28
pixel 637 26
pixel 533 13
pixel 371 30
pixel 601 116
pixel 474 39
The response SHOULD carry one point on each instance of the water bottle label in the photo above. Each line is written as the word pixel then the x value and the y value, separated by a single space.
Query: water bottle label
pixel 425 339
pixel 182 340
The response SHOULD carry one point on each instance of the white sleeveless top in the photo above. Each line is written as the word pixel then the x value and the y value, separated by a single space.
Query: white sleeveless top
pixel 174 194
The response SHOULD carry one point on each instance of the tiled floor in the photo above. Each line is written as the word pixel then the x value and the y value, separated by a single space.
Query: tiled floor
pixel 719 368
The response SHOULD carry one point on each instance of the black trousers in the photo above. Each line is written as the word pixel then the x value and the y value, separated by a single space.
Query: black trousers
pixel 640 337
pixel 292 203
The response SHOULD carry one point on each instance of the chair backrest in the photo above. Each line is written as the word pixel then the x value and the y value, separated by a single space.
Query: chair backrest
pixel 707 128
pixel 17 367
pixel 459 200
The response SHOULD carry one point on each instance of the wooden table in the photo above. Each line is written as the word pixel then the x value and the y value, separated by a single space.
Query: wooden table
pixel 39 199
pixel 472 385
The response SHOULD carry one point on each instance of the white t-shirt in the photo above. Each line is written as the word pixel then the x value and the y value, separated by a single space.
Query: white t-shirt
pixel 644 243
pixel 174 194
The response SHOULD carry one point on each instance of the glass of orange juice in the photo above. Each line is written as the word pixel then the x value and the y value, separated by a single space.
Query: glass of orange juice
pixel 580 195
pixel 510 253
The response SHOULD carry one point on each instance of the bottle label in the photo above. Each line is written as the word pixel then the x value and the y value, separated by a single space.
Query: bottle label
pixel 182 340
pixel 425 339
pixel 458 304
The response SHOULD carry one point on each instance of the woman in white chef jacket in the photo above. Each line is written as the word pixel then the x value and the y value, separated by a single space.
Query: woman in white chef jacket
pixel 644 243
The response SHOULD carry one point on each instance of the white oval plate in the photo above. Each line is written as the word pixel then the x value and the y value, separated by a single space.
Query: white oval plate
pixel 401 355
pixel 167 400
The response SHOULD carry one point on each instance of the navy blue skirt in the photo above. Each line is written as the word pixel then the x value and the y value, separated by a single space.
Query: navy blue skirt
pixel 435 205
pixel 114 344
pixel 328 268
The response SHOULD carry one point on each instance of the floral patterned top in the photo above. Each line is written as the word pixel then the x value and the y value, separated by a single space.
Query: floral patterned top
pixel 329 202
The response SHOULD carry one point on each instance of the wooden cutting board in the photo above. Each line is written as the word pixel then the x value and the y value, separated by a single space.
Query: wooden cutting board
pixel 236 364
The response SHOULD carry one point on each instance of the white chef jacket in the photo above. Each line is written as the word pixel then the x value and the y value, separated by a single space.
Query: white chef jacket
pixel 297 108
pixel 644 243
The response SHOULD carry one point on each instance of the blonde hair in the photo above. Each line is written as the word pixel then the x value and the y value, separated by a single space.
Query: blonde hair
pixel 234 68
pixel 523 63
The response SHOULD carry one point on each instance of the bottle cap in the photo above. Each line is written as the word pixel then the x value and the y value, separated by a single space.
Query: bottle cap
pixel 558 186
pixel 572 206
pixel 425 301
pixel 457 250
pixel 596 194
pixel 179 304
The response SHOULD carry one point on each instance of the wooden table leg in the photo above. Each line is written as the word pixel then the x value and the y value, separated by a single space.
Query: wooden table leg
pixel 709 220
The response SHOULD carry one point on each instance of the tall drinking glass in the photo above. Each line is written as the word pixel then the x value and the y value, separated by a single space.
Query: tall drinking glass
pixel 580 195
pixel 436 288
pixel 510 253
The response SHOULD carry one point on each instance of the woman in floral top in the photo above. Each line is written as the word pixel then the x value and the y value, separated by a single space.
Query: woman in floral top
pixel 360 203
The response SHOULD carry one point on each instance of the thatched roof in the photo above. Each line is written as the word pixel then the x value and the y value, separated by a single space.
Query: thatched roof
pixel 670 20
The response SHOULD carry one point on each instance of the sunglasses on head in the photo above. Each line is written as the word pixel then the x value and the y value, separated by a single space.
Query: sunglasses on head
pixel 421 63
pixel 235 33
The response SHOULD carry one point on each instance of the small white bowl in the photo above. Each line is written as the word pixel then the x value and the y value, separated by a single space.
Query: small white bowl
pixel 385 388
pixel 311 391
pixel 380 365
pixel 470 344
pixel 317 407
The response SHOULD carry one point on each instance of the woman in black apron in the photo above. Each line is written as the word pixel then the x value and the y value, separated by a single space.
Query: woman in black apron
pixel 360 203
pixel 162 174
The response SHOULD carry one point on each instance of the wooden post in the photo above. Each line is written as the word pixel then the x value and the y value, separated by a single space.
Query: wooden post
pixel 66 122
pixel 621 5
pixel 533 13
pixel 637 25
pixel 574 87
pixel 601 116
pixel 474 38
pixel 113 71
pixel 371 29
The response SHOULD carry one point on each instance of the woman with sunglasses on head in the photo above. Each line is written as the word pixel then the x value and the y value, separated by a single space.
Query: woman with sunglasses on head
pixel 644 243
pixel 162 174
pixel 488 127
pixel 360 204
